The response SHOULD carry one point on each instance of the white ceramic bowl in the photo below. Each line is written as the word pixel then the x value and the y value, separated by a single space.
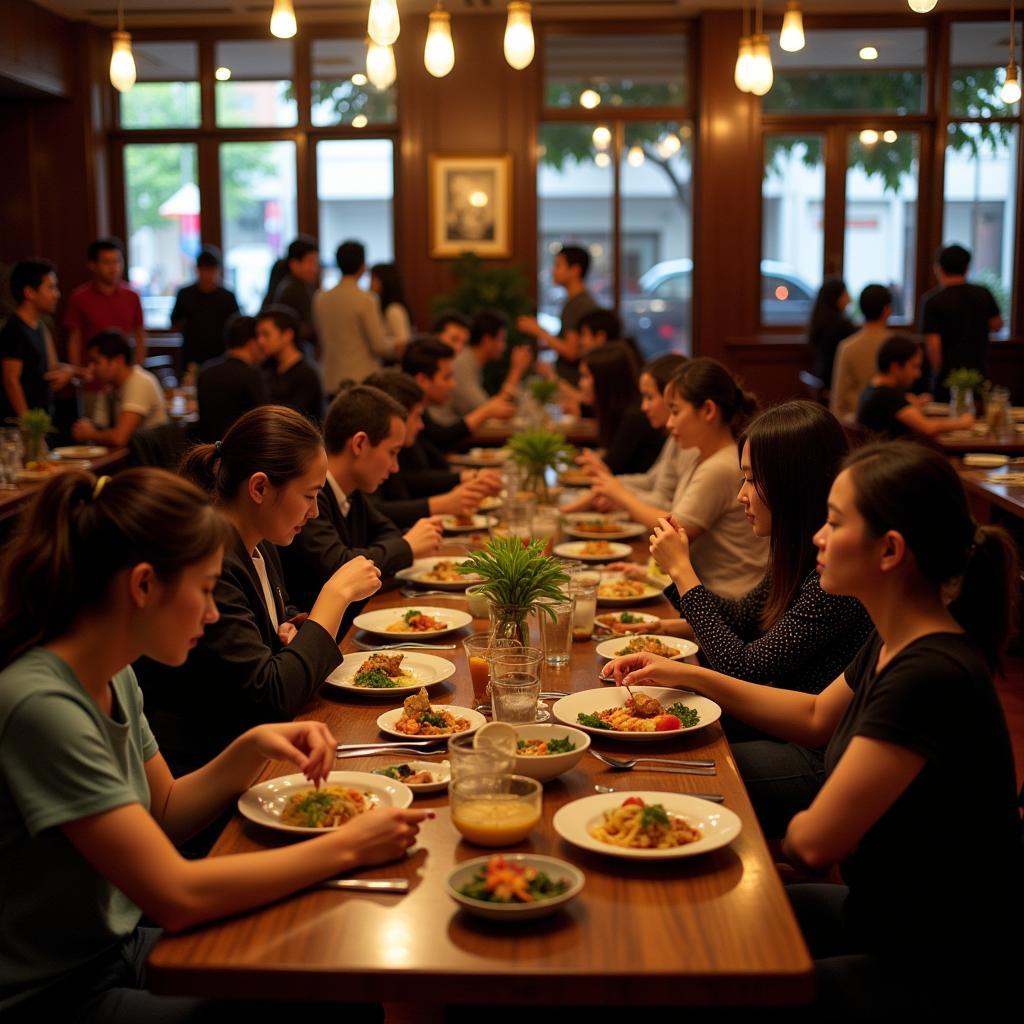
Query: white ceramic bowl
pixel 550 766
pixel 555 868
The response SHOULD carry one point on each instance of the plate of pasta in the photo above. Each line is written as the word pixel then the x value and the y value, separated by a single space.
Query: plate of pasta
pixel 593 550
pixel 389 673
pixel 416 621
pixel 646 825
pixel 292 804
pixel 673 647
pixel 615 589
pixel 651 714
pixel 440 573
pixel 418 717
pixel 590 526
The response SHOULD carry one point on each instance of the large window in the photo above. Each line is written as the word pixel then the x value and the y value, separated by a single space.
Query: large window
pixel 166 90
pixel 253 87
pixel 341 93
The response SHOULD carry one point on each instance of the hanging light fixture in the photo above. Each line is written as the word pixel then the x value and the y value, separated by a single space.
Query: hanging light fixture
pixel 601 136
pixel 741 75
pixel 635 157
pixel 761 74
pixel 380 65
pixel 922 6
pixel 1010 91
pixel 519 45
pixel 439 50
pixel 791 38
pixel 382 24
pixel 282 19
pixel 122 63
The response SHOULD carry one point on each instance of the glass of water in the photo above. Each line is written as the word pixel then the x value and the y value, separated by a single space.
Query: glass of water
pixel 515 686
pixel 556 633
pixel 519 518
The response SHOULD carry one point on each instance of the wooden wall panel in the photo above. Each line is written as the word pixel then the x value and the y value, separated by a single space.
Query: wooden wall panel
pixel 36 52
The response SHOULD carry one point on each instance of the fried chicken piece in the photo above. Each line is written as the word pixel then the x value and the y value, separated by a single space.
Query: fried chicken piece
pixel 389 664
pixel 417 704
pixel 643 706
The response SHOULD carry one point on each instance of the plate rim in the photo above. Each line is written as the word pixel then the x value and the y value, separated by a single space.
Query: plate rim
pixel 397 691
pixel 639 737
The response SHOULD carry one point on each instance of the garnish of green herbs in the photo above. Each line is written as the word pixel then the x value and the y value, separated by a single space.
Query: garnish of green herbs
pixel 687 716
pixel 654 814
pixel 592 721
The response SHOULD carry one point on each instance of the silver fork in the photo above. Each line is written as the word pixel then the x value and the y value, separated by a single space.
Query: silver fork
pixel 416 592
pixel 624 764
pixel 717 798
pixel 398 647
pixel 382 751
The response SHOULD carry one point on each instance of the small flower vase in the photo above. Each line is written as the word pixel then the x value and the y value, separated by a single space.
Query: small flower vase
pixel 35 449
pixel 508 622
pixel 961 400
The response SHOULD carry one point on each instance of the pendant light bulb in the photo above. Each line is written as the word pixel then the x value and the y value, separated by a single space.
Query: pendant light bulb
pixel 383 25
pixel 122 62
pixel 791 38
pixel 380 66
pixel 439 50
pixel 761 74
pixel 922 6
pixel 1010 90
pixel 744 59
pixel 519 44
pixel 282 19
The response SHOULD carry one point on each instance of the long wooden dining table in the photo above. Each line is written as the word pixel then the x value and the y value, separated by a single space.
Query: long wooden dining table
pixel 715 929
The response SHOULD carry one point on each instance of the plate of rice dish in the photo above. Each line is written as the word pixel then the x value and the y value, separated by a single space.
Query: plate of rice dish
pixel 389 673
pixel 673 647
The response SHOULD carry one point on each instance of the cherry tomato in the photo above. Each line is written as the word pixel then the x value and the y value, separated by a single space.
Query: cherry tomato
pixel 666 723
pixel 633 800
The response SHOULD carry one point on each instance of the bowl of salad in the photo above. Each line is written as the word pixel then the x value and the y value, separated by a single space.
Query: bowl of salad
pixel 543 752
pixel 514 886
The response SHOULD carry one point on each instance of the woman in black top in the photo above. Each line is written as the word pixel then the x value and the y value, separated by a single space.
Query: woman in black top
pixel 608 382
pixel 829 325
pixel 919 804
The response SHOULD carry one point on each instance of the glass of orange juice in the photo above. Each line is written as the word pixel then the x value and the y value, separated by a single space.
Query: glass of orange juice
pixel 495 809
pixel 479 647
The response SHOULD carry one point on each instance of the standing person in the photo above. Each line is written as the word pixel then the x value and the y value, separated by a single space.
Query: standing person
pixel 488 340
pixel 386 284
pixel 202 309
pixel 290 378
pixel 230 385
pixel 349 324
pixel 568 271
pixel 453 328
pixel 829 325
pixel 956 319
pixel 100 573
pixel 855 362
pixel 297 289
pixel 104 303
pixel 941 592
pixel 28 359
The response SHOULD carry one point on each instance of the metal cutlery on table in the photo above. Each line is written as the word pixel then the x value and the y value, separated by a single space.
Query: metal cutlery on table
pixel 388 751
pixel 399 647
pixel 717 798
pixel 658 764
pixel 416 592
pixel 385 885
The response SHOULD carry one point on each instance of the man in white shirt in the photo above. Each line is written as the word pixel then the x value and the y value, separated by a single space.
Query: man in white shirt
pixel 349 324
pixel 135 402
pixel 856 356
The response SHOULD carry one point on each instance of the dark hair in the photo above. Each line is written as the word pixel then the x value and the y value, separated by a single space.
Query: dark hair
pixel 898 349
pixel 576 256
pixel 360 408
pixel 28 274
pixel 301 247
pixel 351 257
pixel 397 385
pixel 796 451
pixel 282 317
pixel 104 245
pixel 826 309
pixel 487 324
pixel 391 290
pixel 663 369
pixel 424 356
pixel 602 321
pixel 449 316
pixel 615 374
pixel 954 260
pixel 239 330
pixel 873 300
pixel 702 380
pixel 906 487
pixel 270 439
pixel 111 344
pixel 209 256
pixel 73 540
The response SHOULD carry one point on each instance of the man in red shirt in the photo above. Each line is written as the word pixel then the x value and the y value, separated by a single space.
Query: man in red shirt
pixel 103 303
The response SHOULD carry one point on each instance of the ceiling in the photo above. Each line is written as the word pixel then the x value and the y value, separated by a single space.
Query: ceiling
pixel 178 12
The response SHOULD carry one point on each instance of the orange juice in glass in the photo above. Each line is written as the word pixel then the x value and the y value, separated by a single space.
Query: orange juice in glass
pixel 478 648
pixel 495 810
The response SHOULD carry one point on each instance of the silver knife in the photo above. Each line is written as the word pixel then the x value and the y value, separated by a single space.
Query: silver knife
pixel 396 885
pixel 676 771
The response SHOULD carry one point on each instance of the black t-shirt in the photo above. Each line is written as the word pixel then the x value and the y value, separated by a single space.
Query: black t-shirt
pixel 960 315
pixel 877 408
pixel 299 387
pixel 202 316
pixel 226 388
pixel 27 344
pixel 938 875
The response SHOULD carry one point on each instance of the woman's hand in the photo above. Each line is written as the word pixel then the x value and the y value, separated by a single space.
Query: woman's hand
pixel 581 504
pixel 310 746
pixel 356 579
pixel 591 461
pixel 382 834
pixel 670 548
pixel 645 669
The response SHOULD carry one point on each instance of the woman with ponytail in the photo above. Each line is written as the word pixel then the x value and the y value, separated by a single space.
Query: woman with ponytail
pixel 102 572
pixel 263 660
pixel 919 802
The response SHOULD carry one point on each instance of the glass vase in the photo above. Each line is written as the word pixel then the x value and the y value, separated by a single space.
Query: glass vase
pixel 508 622
pixel 961 400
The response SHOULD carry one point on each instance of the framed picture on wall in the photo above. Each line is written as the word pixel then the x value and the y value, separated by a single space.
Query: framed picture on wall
pixel 471 206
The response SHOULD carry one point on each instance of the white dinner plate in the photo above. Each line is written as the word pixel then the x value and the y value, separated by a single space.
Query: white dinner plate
pixel 81 452
pixel 605 619
pixel 29 476
pixel 491 502
pixel 451 524
pixel 481 457
pixel 650 592
pixel 719 826
pixel 624 528
pixel 576 549
pixel 442 775
pixel 265 802
pixel 386 721
pixel 378 621
pixel 589 702
pixel 416 573
pixel 557 869
pixel 611 648
pixel 427 669
pixel 983 460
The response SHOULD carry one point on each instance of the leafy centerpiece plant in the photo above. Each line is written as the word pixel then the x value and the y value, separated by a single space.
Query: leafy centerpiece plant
pixel 517 580
pixel 35 425
pixel 537 451
pixel 963 383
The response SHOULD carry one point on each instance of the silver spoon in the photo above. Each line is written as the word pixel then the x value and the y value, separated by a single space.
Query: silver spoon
pixel 717 798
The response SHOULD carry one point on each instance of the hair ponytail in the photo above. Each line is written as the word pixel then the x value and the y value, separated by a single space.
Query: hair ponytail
pixel 79 532
pixel 707 380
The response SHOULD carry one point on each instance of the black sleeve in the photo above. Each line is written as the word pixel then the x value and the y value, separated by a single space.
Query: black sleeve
pixel 386 547
pixel 179 313
pixel 931 320
pixel 425 471
pixel 403 512
pixel 991 306
pixel 13 343
pixel 309 395
pixel 444 438
pixel 741 615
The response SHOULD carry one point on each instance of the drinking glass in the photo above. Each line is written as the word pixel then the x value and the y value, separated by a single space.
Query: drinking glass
pixel 583 588
pixel 497 809
pixel 515 686
pixel 546 526
pixel 467 760
pixel 556 633
pixel 8 466
pixel 519 517
pixel 479 647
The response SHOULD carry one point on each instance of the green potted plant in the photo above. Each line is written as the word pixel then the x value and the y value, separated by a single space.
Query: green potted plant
pixel 542 389
pixel 35 425
pixel 962 384
pixel 537 451
pixel 517 581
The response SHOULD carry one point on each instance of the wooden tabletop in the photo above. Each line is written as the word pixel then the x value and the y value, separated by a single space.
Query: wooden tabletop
pixel 704 930
pixel 497 432
pixel 985 491
pixel 960 442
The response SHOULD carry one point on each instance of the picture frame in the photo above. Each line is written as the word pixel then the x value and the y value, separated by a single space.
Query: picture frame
pixel 471 206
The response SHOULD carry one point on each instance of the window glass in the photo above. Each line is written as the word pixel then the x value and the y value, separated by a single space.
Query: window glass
pixel 341 93
pixel 656 217
pixel 257 181
pixel 635 70
pixel 978 54
pixel 355 189
pixel 162 218
pixel 792 227
pixel 979 202
pixel 830 75
pixel 166 90
pixel 254 87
